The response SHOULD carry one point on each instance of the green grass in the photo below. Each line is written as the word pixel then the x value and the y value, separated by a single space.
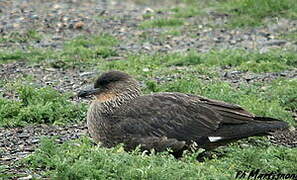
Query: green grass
pixel 32 55
pixel 186 12
pixel 85 48
pixel 81 50
pixel 16 37
pixel 285 91
pixel 242 13
pixel 39 105
pixel 252 12
pixel 145 67
pixel 147 15
pixel 91 41
pixel 162 22
pixel 79 159
pixel 274 61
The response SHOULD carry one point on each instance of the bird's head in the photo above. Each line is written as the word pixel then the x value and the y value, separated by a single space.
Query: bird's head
pixel 113 85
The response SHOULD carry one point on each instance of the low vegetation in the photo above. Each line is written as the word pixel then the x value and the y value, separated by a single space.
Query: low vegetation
pixel 189 11
pixel 16 37
pixel 39 105
pixel 285 91
pixel 79 159
pixel 162 22
pixel 273 61
pixel 81 50
pixel 241 13
pixel 253 12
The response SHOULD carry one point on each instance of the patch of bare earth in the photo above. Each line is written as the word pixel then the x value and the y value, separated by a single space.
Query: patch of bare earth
pixel 17 143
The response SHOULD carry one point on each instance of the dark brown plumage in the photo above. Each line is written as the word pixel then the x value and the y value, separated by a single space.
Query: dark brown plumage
pixel 120 114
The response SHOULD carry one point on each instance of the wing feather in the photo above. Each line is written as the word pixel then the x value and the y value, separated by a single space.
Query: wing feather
pixel 179 116
pixel 231 113
pixel 168 114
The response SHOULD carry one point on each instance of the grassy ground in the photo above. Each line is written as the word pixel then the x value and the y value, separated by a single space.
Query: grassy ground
pixel 254 12
pixel 189 72
pixel 243 13
pixel 43 105
pixel 81 160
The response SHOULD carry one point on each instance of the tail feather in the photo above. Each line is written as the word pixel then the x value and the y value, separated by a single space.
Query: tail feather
pixel 259 118
pixel 260 126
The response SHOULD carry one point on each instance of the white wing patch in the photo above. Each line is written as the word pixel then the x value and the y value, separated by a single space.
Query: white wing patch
pixel 214 138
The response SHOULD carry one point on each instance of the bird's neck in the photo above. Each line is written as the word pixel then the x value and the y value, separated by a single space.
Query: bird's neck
pixel 111 102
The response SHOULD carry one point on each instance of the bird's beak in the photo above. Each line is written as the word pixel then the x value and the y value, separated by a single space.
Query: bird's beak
pixel 89 92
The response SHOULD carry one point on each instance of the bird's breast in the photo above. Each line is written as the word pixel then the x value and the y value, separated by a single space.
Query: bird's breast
pixel 97 123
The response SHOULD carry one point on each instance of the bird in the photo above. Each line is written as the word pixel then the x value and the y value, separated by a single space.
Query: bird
pixel 120 114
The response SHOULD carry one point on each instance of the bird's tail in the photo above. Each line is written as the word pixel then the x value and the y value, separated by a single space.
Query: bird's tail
pixel 260 126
